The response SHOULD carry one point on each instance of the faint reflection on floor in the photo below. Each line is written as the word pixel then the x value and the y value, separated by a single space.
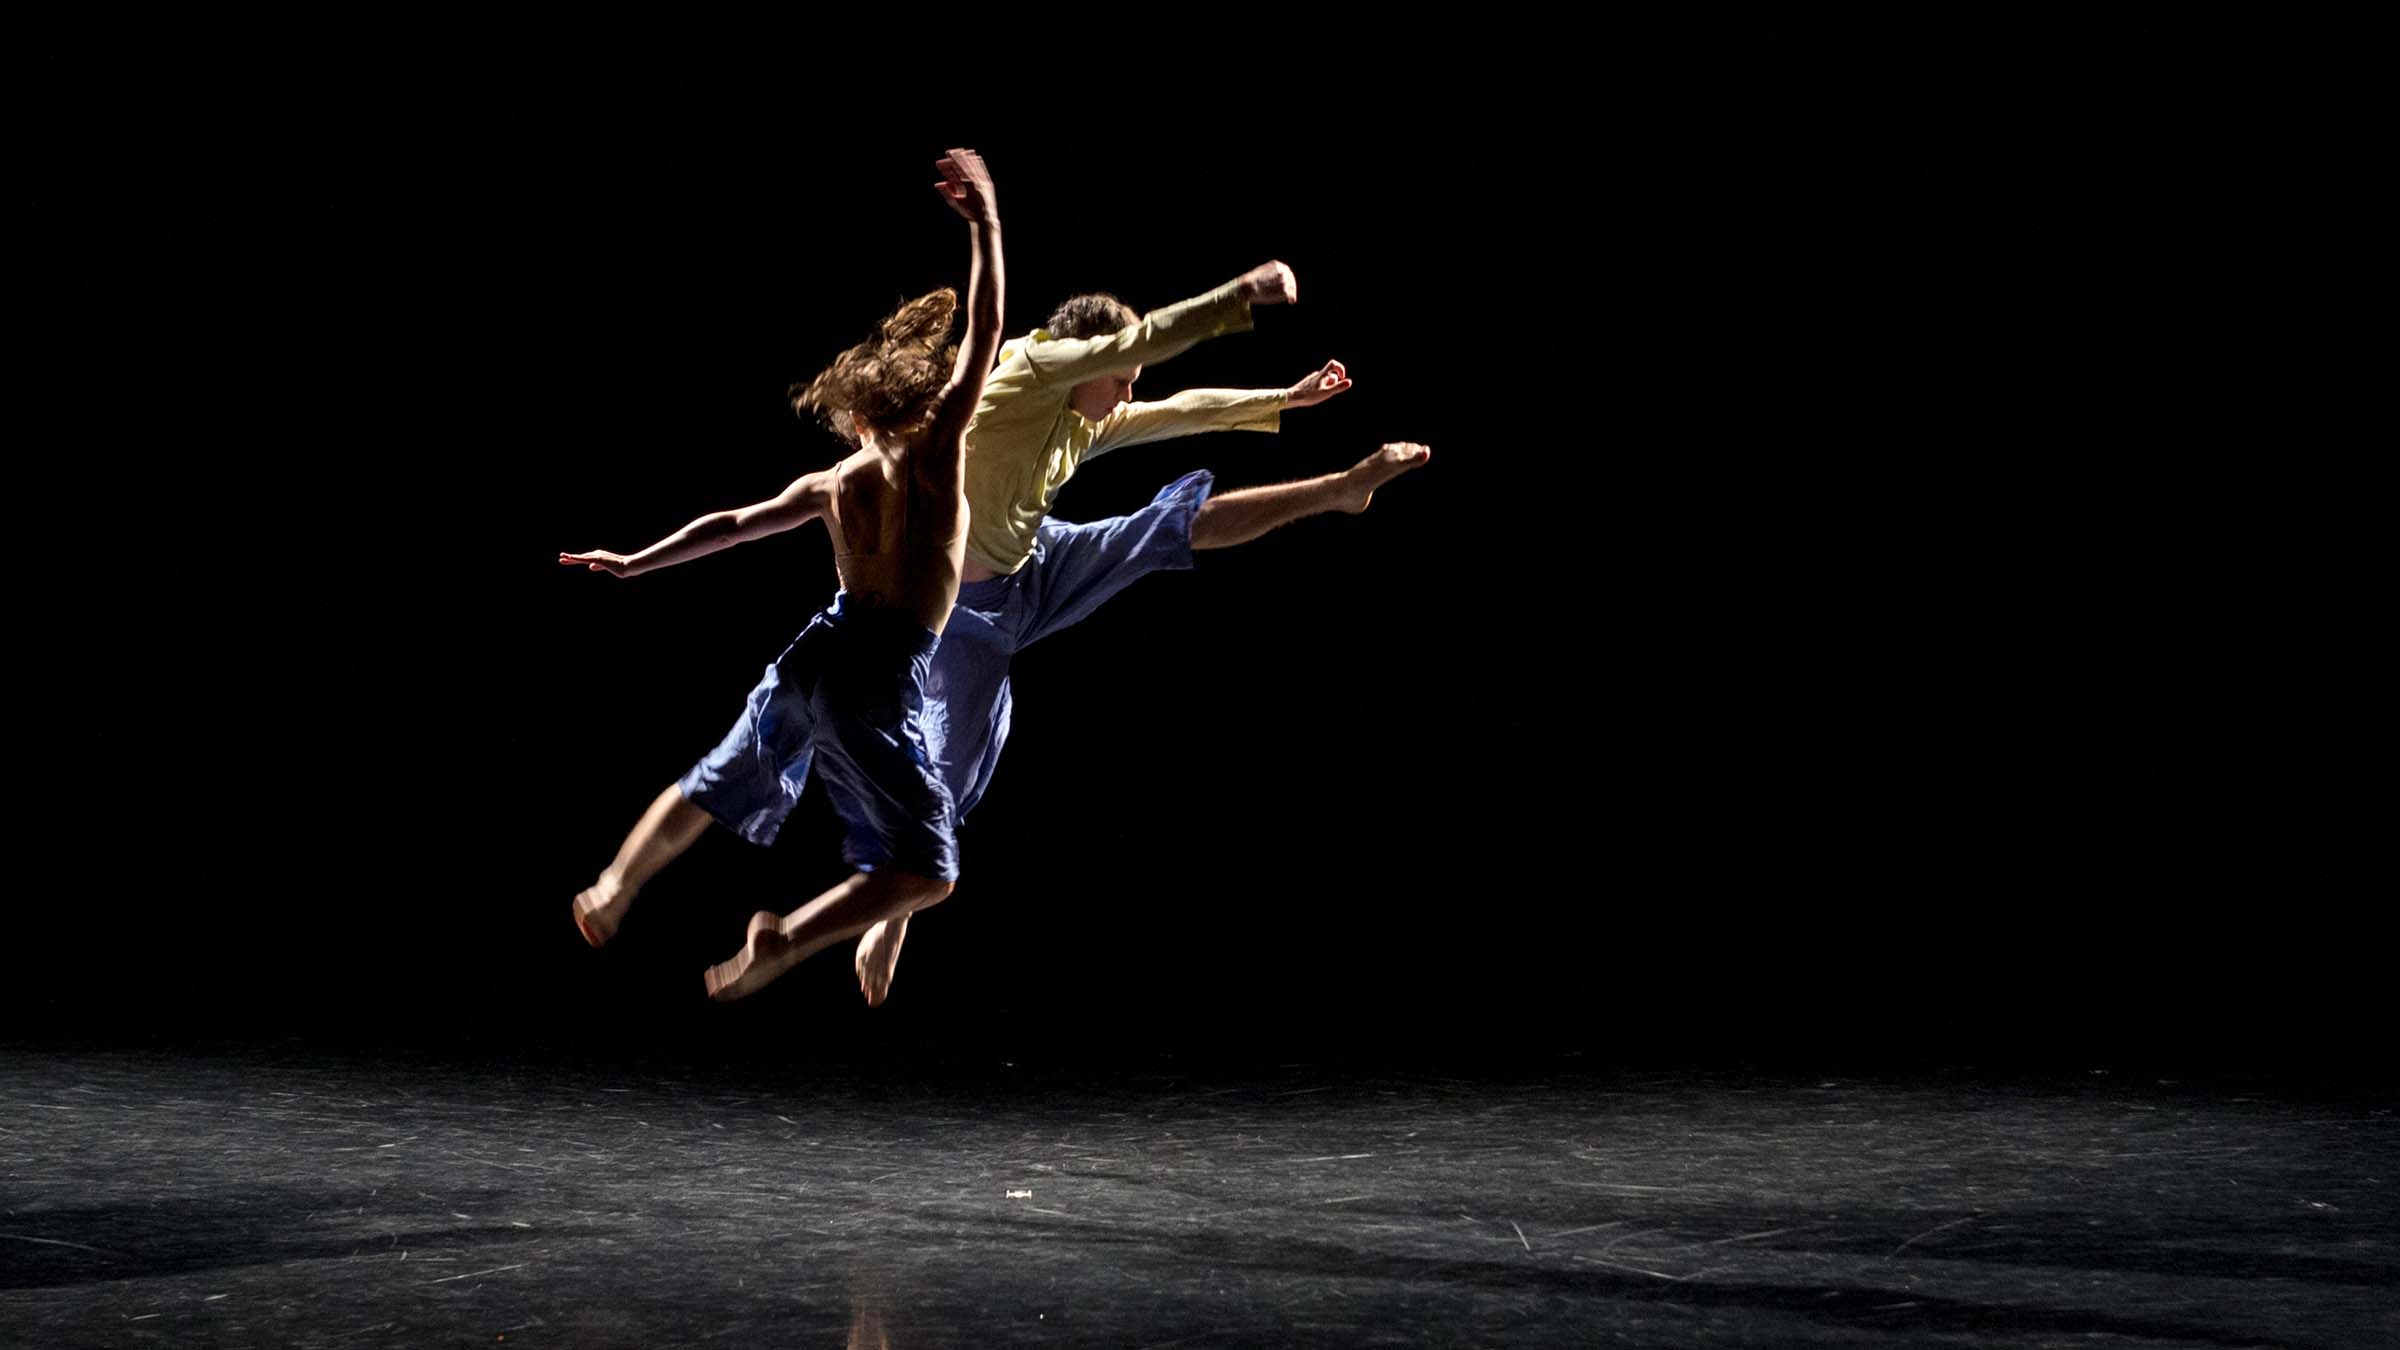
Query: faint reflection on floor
pixel 870 1288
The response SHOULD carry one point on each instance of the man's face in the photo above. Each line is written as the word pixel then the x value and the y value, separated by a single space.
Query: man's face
pixel 1098 398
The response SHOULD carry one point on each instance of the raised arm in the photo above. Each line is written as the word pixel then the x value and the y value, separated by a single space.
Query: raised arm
pixel 1163 333
pixel 807 499
pixel 967 186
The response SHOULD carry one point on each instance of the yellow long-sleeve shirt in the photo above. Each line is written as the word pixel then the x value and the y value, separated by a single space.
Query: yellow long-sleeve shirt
pixel 1025 442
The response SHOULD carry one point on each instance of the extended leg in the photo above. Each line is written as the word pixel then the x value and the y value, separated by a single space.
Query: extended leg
pixel 776 943
pixel 665 830
pixel 1080 567
pixel 1240 516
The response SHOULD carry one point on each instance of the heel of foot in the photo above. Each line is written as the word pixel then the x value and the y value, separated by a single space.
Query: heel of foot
pixel 766 934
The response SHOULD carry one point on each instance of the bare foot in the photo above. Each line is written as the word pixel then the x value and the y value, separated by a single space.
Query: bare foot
pixel 1380 468
pixel 600 908
pixel 765 954
pixel 878 956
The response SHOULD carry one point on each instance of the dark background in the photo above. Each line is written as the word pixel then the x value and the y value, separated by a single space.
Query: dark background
pixel 1796 650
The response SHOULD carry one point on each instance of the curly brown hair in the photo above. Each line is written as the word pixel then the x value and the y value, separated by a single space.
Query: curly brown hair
pixel 893 378
pixel 1091 315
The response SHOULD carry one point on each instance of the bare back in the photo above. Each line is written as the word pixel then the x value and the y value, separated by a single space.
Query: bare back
pixel 897 537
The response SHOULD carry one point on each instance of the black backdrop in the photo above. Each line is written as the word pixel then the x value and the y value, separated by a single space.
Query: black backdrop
pixel 1779 658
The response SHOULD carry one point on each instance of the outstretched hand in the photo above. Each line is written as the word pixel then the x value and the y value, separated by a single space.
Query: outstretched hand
pixel 1270 284
pixel 1318 387
pixel 967 186
pixel 599 561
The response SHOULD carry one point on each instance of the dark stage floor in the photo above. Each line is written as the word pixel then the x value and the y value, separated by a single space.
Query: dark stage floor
pixel 308 1200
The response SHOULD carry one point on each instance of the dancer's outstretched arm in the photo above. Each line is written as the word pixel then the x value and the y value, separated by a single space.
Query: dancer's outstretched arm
pixel 808 498
pixel 1167 332
pixel 1197 410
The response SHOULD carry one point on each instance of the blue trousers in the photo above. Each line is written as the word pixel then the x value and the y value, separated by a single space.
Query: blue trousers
pixel 847 696
pixel 906 732
pixel 1074 569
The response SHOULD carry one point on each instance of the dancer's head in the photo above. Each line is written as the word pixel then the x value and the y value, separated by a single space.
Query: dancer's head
pixel 889 383
pixel 1096 315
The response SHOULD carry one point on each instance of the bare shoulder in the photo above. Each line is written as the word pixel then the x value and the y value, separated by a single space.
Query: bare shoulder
pixel 851 463
pixel 863 477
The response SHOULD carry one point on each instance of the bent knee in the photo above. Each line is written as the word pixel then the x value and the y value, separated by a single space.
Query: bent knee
pixel 920 890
